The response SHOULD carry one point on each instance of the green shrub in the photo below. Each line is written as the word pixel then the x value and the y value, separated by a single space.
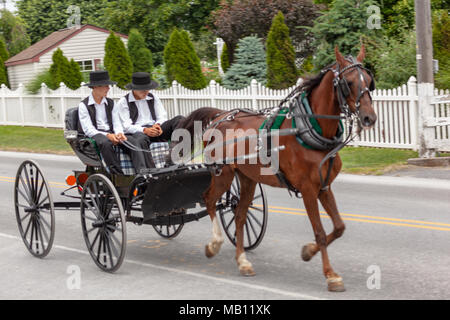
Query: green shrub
pixel 250 63
pixel 35 84
pixel 182 63
pixel 117 61
pixel 140 55
pixel 224 58
pixel 281 68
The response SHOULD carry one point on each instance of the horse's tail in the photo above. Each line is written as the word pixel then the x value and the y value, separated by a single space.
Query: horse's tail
pixel 205 115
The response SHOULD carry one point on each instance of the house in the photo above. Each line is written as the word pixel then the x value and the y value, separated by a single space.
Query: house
pixel 85 44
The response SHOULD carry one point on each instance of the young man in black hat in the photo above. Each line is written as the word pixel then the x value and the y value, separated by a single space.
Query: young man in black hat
pixel 143 116
pixel 100 121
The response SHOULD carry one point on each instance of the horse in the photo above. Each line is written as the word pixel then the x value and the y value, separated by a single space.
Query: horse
pixel 342 87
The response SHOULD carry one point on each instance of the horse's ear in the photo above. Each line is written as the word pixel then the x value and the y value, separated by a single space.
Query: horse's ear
pixel 361 54
pixel 339 57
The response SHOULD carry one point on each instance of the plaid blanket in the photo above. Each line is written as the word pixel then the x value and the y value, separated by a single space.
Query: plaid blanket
pixel 159 152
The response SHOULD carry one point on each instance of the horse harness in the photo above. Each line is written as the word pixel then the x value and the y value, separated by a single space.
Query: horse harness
pixel 308 133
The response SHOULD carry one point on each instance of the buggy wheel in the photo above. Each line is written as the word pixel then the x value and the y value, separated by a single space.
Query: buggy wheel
pixel 256 223
pixel 103 223
pixel 35 212
pixel 168 231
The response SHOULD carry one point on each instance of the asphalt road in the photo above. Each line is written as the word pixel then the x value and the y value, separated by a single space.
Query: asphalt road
pixel 396 246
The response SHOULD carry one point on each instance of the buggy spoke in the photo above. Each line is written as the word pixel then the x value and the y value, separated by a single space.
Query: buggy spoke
pixel 250 214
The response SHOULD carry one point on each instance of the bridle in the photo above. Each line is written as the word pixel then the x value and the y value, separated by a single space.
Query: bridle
pixel 342 87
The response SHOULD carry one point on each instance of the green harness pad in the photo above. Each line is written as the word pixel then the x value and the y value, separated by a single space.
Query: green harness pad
pixel 282 115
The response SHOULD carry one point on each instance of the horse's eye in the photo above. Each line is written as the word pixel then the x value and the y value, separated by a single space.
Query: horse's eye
pixel 350 83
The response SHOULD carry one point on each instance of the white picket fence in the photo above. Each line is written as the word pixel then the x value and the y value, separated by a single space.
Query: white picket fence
pixel 397 109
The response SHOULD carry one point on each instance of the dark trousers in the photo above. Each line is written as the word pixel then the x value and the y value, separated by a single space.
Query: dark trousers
pixel 137 158
pixel 109 155
pixel 143 141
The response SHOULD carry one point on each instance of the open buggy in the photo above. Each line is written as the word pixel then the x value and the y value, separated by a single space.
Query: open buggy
pixel 165 197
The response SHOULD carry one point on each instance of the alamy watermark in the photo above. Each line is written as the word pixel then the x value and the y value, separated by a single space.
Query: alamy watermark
pixel 374 280
pixel 73 282
pixel 232 146
pixel 75 19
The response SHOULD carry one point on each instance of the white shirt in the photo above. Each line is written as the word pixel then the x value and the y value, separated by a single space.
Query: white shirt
pixel 101 118
pixel 144 116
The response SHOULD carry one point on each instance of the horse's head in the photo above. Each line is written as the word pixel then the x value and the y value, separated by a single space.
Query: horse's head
pixel 353 84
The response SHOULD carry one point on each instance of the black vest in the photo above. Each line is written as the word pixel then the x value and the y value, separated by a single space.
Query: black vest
pixel 134 110
pixel 91 110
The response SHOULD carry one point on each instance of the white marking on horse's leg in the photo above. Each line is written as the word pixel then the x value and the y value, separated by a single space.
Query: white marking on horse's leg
pixel 217 239
pixel 243 263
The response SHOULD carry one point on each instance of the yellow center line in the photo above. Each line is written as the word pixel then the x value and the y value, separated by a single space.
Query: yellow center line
pixel 345 216
pixel 293 210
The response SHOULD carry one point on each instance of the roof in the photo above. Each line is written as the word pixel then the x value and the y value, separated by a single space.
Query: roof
pixel 32 53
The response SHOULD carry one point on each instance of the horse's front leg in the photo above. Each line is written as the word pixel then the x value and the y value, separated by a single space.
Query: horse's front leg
pixel 329 203
pixel 334 281
pixel 246 197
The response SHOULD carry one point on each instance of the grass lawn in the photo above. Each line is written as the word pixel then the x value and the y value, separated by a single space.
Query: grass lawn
pixel 33 139
pixel 363 160
pixel 360 160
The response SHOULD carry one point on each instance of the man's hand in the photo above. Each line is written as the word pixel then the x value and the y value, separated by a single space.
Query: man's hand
pixel 154 131
pixel 121 137
pixel 112 138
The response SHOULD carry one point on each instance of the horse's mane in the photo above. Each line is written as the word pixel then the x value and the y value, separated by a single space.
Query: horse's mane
pixel 312 81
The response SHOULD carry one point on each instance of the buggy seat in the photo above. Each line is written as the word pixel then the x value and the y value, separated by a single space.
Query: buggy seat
pixel 84 147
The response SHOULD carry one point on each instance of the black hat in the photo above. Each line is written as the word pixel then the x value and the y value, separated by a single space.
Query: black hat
pixel 99 78
pixel 141 81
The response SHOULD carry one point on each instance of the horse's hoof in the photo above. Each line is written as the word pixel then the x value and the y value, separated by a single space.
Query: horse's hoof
pixel 247 271
pixel 307 251
pixel 335 284
pixel 208 252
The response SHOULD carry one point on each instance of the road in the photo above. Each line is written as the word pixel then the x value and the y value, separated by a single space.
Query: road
pixel 396 246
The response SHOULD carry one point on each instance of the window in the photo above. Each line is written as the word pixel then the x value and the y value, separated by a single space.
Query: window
pixel 86 65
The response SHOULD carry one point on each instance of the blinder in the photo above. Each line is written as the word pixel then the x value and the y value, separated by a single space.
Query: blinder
pixel 345 89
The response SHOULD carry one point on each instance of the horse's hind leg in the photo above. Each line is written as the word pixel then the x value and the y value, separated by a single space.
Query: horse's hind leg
pixel 219 185
pixel 334 281
pixel 329 204
pixel 246 197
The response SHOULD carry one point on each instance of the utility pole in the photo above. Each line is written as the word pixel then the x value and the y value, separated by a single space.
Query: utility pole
pixel 425 78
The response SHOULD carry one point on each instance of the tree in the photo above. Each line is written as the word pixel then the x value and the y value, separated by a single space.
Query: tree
pixel 395 61
pixel 181 61
pixel 441 48
pixel 155 19
pixel 44 17
pixel 117 61
pixel 4 55
pixel 281 68
pixel 250 64
pixel 240 18
pixel 74 77
pixel 59 68
pixel 224 59
pixel 14 32
pixel 344 25
pixel 140 56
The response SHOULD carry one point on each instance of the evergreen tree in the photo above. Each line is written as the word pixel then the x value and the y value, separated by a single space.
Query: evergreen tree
pixel 4 55
pixel 344 25
pixel 441 48
pixel 181 61
pixel 250 64
pixel 59 68
pixel 117 61
pixel 281 68
pixel 74 77
pixel 225 58
pixel 140 55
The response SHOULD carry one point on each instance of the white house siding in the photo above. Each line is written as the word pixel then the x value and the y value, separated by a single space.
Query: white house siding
pixel 21 74
pixel 89 44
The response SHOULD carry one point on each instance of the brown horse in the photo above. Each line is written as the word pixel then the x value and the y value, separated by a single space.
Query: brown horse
pixel 299 165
